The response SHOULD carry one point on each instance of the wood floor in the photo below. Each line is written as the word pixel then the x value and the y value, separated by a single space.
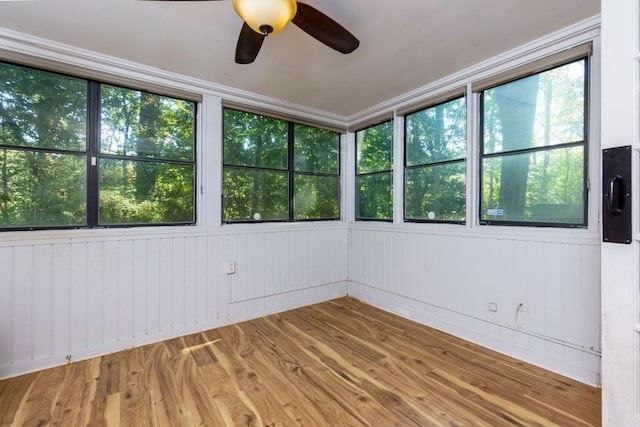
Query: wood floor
pixel 338 363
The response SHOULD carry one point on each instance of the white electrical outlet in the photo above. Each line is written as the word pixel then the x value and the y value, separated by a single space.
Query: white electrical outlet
pixel 493 307
pixel 230 267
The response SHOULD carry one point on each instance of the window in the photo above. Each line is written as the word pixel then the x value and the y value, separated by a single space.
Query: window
pixel 435 178
pixel 78 153
pixel 533 149
pixel 276 170
pixel 374 172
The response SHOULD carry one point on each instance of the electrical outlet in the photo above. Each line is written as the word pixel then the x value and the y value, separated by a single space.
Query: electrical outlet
pixel 230 267
pixel 493 307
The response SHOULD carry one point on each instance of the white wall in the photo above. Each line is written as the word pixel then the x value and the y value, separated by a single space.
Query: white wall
pixel 620 262
pixel 88 296
pixel 448 282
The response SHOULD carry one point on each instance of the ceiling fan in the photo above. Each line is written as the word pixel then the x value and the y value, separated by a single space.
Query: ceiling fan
pixel 265 17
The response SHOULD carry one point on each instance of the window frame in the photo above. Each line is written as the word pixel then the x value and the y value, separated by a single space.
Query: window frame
pixel 463 160
pixel 290 170
pixel 92 154
pixel 390 172
pixel 585 143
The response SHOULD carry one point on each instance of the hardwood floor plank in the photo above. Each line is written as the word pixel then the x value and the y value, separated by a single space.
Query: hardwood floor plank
pixel 416 369
pixel 337 363
pixel 517 379
pixel 79 388
pixel 323 374
pixel 135 403
pixel 108 386
pixel 38 405
pixel 231 350
pixel 13 394
pixel 196 395
pixel 282 376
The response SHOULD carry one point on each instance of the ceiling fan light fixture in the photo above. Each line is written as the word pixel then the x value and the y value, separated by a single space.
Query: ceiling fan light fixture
pixel 266 16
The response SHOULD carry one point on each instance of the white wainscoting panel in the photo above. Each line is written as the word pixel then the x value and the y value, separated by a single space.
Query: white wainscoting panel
pixel 91 296
pixel 547 293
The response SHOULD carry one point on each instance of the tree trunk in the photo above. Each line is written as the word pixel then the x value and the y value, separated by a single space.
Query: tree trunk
pixel 516 112
pixel 147 144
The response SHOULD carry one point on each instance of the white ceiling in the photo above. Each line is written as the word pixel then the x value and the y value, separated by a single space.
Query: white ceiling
pixel 404 44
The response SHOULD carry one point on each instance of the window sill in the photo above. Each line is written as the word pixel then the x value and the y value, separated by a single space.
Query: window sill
pixel 494 232
pixel 14 238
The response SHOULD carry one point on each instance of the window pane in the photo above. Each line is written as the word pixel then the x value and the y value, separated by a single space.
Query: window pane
pixel 254 140
pixel 375 196
pixel 142 124
pixel 542 186
pixel 139 192
pixel 316 197
pixel 541 110
pixel 374 147
pixel 42 189
pixel 316 150
pixel 436 192
pixel 437 134
pixel 42 109
pixel 255 195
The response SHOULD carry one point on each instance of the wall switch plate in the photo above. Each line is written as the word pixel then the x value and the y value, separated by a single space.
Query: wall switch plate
pixel 230 267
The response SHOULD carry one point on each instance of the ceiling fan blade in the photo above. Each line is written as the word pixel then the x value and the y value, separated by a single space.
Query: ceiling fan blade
pixel 324 29
pixel 249 44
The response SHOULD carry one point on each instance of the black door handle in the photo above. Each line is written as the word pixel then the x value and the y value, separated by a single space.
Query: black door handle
pixel 615 197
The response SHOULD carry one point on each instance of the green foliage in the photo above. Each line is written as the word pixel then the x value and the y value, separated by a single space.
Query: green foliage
pixel 43 153
pixel 316 197
pixel 254 140
pixel 436 190
pixel 374 148
pixel 374 169
pixel 316 150
pixel 42 189
pixel 147 174
pixel 40 110
pixel 256 172
pixel 140 124
pixel 249 192
pixel 545 115
pixel 170 200
pixel 374 197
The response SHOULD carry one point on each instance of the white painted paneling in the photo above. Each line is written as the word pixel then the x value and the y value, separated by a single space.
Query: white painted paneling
pixel 152 307
pixel 60 288
pixel 190 281
pixel 165 290
pixel 42 301
pixel 6 304
pixel 23 303
pixel 177 283
pixel 449 281
pixel 126 288
pixel 139 285
pixel 93 296
pixel 96 310
pixel 108 287
pixel 78 306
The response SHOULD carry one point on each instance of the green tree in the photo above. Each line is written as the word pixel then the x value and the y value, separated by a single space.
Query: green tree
pixel 42 141
pixel 147 173
pixel 543 115
pixel 374 168
pixel 436 150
